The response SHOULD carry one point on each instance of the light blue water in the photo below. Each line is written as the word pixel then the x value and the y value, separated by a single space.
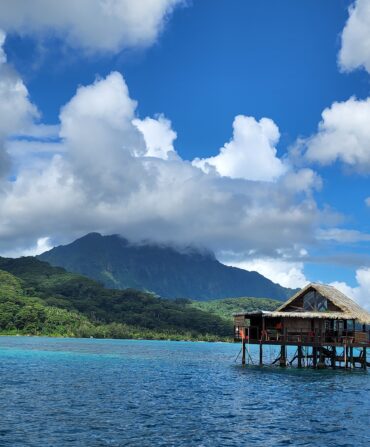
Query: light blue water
pixel 72 392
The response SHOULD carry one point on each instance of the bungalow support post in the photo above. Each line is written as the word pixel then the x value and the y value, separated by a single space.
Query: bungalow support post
pixel 261 353
pixel 300 355
pixel 243 352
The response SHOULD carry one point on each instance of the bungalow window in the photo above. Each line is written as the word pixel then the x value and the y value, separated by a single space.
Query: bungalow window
pixel 313 301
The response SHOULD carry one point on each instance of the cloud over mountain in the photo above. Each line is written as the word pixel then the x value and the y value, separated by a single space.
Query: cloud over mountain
pixel 110 166
pixel 102 179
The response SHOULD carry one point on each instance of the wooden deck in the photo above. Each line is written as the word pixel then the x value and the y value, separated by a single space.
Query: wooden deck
pixel 312 343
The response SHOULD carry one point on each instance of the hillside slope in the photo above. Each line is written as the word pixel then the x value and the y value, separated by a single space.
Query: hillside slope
pixel 112 313
pixel 169 273
pixel 24 314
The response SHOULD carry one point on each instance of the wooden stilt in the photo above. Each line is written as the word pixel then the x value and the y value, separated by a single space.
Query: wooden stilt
pixel 261 354
pixel 314 357
pixel 346 357
pixel 334 357
pixel 283 355
pixel 321 363
pixel 351 357
pixel 300 355
pixel 364 358
pixel 243 352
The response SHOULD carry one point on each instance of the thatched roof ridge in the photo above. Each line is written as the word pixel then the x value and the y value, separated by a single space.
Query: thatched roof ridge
pixel 351 310
pixel 323 315
pixel 276 314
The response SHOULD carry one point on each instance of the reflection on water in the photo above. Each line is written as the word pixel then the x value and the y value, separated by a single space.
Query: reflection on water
pixel 62 392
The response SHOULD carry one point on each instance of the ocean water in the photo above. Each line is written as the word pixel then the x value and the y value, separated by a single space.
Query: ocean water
pixel 74 392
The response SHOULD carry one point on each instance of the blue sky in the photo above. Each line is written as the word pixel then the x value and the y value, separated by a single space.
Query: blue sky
pixel 213 61
pixel 193 68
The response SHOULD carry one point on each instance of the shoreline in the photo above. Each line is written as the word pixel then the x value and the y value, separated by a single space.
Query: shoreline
pixel 110 338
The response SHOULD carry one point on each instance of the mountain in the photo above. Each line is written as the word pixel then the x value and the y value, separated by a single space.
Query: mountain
pixel 37 298
pixel 164 270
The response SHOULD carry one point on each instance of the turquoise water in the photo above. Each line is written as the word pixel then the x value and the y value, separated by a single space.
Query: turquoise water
pixel 72 392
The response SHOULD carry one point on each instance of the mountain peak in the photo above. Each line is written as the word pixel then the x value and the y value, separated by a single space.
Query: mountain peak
pixel 167 270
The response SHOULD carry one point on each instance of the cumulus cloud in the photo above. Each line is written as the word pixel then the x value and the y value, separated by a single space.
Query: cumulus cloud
pixel 96 126
pixel 344 135
pixel 303 180
pixel 355 49
pixel 102 179
pixel 359 293
pixel 250 154
pixel 16 110
pixel 94 25
pixel 158 135
pixel 367 201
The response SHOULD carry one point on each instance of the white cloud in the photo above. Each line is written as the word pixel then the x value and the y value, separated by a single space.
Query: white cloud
pixel 284 272
pixel 158 136
pixel 304 180
pixel 97 128
pixel 94 25
pixel 42 245
pixel 360 293
pixel 344 135
pixel 367 201
pixel 41 131
pixel 102 180
pixel 250 154
pixel 16 110
pixel 355 50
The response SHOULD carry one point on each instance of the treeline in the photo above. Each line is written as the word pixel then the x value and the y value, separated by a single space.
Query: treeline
pixel 37 298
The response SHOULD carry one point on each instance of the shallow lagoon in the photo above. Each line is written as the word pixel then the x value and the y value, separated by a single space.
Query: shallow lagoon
pixel 58 392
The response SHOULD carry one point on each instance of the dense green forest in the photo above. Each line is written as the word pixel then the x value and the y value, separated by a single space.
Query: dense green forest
pixel 37 298
pixel 227 307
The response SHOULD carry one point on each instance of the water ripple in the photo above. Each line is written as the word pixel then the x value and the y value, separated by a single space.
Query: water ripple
pixel 60 392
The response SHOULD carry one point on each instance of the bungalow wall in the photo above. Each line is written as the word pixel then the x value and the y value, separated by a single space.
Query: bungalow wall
pixel 298 324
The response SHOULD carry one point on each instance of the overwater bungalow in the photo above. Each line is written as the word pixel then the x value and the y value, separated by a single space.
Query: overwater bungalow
pixel 326 327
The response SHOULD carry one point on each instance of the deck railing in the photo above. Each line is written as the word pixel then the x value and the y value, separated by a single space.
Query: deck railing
pixel 311 337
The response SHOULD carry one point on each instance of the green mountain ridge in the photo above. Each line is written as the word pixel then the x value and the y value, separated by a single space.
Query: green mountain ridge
pixel 163 270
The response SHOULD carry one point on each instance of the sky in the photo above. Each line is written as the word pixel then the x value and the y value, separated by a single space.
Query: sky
pixel 238 126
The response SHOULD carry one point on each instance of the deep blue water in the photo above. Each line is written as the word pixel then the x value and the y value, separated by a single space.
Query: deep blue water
pixel 73 392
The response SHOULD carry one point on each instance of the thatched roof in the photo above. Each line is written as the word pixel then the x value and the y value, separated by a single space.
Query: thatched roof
pixel 323 315
pixel 350 309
